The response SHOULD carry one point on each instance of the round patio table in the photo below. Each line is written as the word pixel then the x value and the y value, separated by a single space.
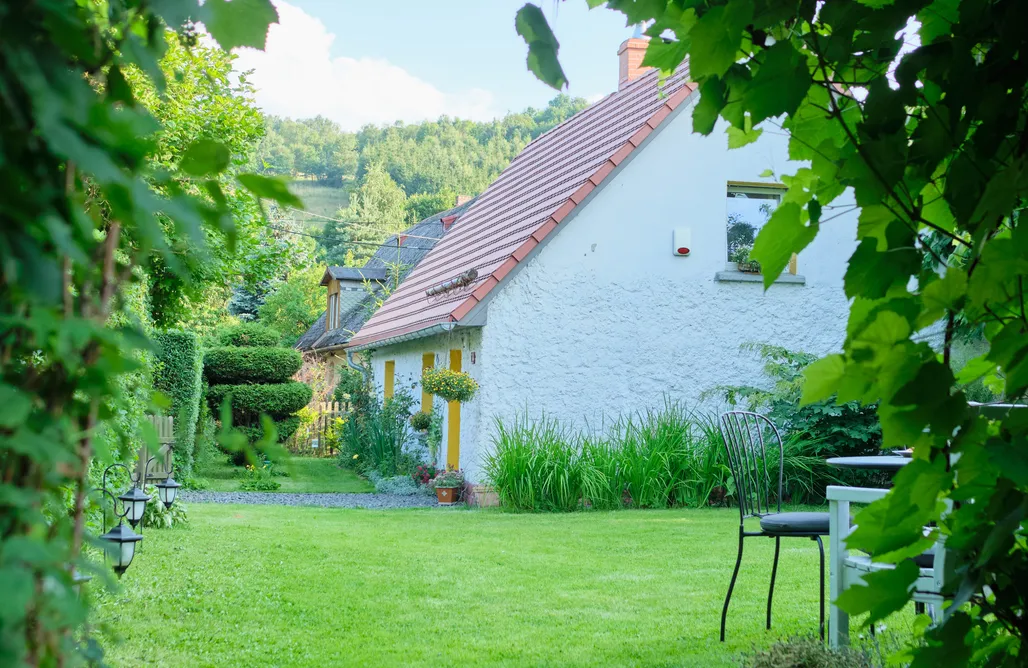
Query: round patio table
pixel 891 463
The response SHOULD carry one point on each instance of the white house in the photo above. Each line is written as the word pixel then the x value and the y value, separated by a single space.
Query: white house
pixel 592 277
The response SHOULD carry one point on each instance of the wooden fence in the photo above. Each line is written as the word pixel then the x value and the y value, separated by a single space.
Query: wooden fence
pixel 312 437
pixel 160 468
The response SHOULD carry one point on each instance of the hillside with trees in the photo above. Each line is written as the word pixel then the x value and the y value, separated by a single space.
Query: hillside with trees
pixel 382 179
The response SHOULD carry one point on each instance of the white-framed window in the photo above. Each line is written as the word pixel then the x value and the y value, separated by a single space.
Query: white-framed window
pixel 749 206
pixel 332 320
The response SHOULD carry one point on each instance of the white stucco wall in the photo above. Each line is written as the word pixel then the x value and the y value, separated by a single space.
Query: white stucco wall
pixel 407 376
pixel 606 320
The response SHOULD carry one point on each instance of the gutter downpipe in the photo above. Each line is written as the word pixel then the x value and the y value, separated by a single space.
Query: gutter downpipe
pixel 364 371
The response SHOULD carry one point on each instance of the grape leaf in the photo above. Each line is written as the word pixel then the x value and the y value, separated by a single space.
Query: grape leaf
pixel 665 55
pixel 267 187
pixel 239 22
pixel 782 235
pixel 780 84
pixel 871 274
pixel 204 157
pixel 884 593
pixel 542 46
pixel 717 37
pixel 821 378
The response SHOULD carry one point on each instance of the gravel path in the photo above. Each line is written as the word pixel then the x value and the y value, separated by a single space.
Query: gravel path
pixel 320 500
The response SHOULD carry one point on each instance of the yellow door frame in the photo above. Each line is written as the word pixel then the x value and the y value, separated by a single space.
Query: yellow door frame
pixel 427 362
pixel 390 375
pixel 453 420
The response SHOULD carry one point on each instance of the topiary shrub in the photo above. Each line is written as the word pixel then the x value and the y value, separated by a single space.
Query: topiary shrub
pixel 249 372
pixel 179 374
pixel 250 400
pixel 249 335
pixel 233 365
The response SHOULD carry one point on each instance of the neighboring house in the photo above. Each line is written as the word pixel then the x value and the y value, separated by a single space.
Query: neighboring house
pixel 581 305
pixel 353 293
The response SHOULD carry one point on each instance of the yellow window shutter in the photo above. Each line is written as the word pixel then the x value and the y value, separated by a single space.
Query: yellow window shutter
pixel 390 373
pixel 427 362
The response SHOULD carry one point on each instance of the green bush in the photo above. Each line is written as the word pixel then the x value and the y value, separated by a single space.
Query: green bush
pixel 373 437
pixel 249 400
pixel 351 384
pixel 285 427
pixel 249 335
pixel 249 371
pixel 259 478
pixel 822 428
pixel 179 374
pixel 234 365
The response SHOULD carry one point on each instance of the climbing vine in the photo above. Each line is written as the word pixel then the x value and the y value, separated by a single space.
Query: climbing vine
pixel 83 208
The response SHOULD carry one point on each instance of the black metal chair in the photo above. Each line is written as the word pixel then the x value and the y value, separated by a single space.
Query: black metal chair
pixel 745 435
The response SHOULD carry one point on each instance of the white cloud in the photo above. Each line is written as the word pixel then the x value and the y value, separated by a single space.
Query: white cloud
pixel 297 76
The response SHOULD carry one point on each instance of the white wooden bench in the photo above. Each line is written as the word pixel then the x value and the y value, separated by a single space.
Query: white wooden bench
pixel 849 568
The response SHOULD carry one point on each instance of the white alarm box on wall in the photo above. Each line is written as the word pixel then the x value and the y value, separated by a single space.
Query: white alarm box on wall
pixel 681 241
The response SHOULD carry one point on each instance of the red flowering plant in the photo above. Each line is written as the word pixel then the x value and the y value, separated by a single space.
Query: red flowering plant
pixel 449 479
pixel 424 474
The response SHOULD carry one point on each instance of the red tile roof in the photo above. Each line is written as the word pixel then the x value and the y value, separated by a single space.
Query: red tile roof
pixel 525 204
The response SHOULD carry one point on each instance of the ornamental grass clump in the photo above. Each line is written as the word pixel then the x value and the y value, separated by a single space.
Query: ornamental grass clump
pixel 449 385
pixel 654 459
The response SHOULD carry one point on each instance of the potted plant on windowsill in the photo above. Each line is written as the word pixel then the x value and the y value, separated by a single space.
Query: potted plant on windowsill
pixel 447 486
pixel 741 257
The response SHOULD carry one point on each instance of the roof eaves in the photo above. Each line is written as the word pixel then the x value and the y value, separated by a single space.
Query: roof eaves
pixel 420 332
pixel 597 179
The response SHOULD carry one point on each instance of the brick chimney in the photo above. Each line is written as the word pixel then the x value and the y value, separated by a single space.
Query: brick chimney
pixel 630 57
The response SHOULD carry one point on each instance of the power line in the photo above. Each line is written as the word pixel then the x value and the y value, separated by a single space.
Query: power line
pixel 355 243
pixel 358 223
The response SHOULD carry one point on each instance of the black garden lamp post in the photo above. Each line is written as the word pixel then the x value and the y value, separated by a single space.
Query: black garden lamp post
pixel 122 546
pixel 166 491
pixel 134 501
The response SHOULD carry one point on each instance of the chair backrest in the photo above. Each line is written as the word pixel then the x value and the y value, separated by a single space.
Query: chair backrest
pixel 748 436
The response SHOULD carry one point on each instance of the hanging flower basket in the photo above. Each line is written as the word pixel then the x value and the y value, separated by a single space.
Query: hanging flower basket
pixel 449 385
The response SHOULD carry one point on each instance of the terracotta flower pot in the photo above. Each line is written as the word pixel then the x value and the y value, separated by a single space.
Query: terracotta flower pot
pixel 447 495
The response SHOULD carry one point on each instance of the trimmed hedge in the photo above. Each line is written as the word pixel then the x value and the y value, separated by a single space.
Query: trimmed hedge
pixel 249 335
pixel 180 375
pixel 251 399
pixel 233 365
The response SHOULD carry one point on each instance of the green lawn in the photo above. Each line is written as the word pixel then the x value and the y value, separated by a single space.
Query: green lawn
pixel 278 586
pixel 306 474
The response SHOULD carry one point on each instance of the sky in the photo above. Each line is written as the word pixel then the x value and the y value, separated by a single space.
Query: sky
pixel 371 61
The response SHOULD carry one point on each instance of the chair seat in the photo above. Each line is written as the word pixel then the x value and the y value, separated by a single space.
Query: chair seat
pixel 790 523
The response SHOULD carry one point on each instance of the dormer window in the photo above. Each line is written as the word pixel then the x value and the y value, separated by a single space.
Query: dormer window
pixel 332 321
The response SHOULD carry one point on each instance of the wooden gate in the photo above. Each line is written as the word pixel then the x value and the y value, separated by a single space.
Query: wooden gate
pixel 312 438
pixel 161 467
